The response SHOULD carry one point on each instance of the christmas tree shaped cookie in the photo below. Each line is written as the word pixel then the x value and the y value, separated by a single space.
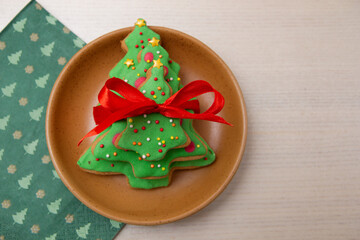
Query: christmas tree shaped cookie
pixel 154 134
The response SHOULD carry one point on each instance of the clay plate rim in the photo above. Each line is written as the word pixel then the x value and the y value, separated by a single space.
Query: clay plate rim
pixel 87 202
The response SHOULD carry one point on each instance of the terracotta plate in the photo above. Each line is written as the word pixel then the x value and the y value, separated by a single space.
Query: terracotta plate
pixel 69 118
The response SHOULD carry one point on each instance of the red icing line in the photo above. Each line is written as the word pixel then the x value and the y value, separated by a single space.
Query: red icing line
pixel 190 148
pixel 166 70
pixel 114 138
pixel 139 81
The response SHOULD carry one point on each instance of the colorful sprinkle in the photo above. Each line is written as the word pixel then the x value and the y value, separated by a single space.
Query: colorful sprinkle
pixel 163 168
pixel 138 74
pixel 158 139
pixel 159 143
pixel 170 61
pixel 143 91
pixel 145 115
pixel 135 130
pixel 148 121
pixel 148 139
pixel 126 80
pixel 140 33
pixel 160 150
pixel 160 56
pixel 176 137
pixel 143 156
pixel 171 120
pixel 136 46
pixel 198 145
pixel 159 165
pixel 152 165
pixel 130 120
pixel 152 92
pixel 139 158
pixel 101 145
pixel 155 79
pixel 164 145
pixel 107 155
pixel 141 41
pixel 139 143
pixel 178 79
pixel 154 96
pixel 158 88
pixel 157 121
pixel 163 141
pixel 172 137
pixel 173 124
pixel 158 52
pixel 205 158
pixel 143 128
pixel 161 129
pixel 148 154
pixel 142 46
pixel 97 159
pixel 134 143
pixel 145 70
pixel 112 165
pixel 131 126
pixel 115 153
pixel 133 68
pixel 171 79
pixel 163 93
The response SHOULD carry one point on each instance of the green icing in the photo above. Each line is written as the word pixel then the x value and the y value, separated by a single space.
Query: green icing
pixel 155 87
pixel 151 139
pixel 148 55
pixel 143 169
pixel 89 162
pixel 133 39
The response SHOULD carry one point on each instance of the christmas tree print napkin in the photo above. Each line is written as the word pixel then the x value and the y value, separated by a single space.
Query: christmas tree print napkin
pixel 35 204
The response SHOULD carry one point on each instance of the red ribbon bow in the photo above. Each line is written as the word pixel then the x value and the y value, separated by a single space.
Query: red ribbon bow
pixel 113 108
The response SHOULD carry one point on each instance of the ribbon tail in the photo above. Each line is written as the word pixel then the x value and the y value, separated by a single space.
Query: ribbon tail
pixel 180 113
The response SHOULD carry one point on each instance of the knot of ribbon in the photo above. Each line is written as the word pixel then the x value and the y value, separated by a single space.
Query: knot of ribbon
pixel 130 102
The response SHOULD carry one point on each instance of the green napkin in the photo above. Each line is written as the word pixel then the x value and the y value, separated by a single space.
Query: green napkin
pixel 35 204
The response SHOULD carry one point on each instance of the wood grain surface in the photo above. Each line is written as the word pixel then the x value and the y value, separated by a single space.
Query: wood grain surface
pixel 298 64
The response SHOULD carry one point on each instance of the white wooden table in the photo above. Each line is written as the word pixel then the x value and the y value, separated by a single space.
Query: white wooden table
pixel 298 64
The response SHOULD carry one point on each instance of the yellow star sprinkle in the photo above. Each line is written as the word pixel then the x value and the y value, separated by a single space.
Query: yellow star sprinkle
pixel 140 22
pixel 154 42
pixel 157 63
pixel 129 62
